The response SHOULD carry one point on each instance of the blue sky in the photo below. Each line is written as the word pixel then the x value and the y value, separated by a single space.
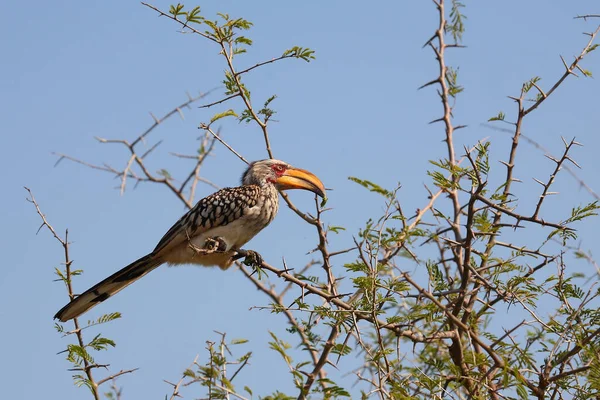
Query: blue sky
pixel 72 72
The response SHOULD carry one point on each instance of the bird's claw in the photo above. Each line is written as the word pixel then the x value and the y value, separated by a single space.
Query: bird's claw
pixel 253 259
pixel 215 244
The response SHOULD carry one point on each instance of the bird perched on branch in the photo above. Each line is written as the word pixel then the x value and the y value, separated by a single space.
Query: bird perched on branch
pixel 212 232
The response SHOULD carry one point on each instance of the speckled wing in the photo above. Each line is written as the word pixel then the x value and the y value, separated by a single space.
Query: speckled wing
pixel 218 209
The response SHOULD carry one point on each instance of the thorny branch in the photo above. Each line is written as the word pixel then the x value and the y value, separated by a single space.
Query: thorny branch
pixel 539 146
pixel 472 283
pixel 227 51
pixel 146 176
pixel 87 366
pixel 466 254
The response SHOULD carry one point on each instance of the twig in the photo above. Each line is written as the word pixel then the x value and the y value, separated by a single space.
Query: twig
pixel 113 376
pixel 170 113
pixel 568 71
pixel 162 14
pixel 291 319
pixel 538 146
pixel 216 136
pixel 87 367
pixel 518 217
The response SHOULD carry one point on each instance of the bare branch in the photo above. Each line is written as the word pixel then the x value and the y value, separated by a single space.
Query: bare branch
pixel 216 136
pixel 568 71
pixel 113 376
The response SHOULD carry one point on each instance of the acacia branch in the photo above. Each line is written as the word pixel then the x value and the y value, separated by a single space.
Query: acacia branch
pixel 519 217
pixel 329 344
pixel 176 110
pixel 559 164
pixel 184 24
pixel 139 160
pixel 538 146
pixel 260 64
pixel 87 367
pixel 568 71
pixel 113 376
pixel 277 298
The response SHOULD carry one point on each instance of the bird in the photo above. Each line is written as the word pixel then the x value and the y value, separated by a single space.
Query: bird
pixel 211 233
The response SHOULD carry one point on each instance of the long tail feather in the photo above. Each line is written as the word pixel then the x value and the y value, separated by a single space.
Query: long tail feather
pixel 108 287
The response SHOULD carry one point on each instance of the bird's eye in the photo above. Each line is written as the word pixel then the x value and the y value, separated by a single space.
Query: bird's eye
pixel 278 168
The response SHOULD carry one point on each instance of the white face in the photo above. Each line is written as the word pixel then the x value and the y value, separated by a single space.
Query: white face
pixel 283 176
pixel 261 172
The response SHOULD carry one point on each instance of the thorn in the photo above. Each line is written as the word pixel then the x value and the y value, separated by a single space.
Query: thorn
pixel 430 40
pixel 436 120
pixel 551 158
pixel 154 118
pixel 59 160
pixel 580 69
pixel 312 251
pixel 564 63
pixel 540 182
pixel 436 80
pixel 574 163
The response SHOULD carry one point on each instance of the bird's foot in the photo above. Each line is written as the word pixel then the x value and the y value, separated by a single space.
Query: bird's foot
pixel 251 258
pixel 215 245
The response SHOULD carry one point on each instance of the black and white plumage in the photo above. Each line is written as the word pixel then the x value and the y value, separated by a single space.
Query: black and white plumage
pixel 229 217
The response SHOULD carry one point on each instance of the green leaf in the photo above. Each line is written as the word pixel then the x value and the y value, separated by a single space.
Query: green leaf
pixel 77 354
pixel 189 373
pixel 592 48
pixel 281 347
pixel 336 229
pixel 100 343
pixel 530 83
pixel 499 117
pixel 323 202
pixel 522 392
pixel 341 349
pixel 194 16
pixel 176 10
pixel 106 318
pixel 224 114
pixel 455 25
pixel 372 187
pixel 164 173
pixel 305 54
pixel 451 80
pixel 243 40
pixel 60 274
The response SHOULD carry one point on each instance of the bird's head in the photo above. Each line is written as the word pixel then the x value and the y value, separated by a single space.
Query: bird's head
pixel 282 175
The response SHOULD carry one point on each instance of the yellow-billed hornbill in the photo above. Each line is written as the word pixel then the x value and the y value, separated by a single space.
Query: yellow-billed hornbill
pixel 210 233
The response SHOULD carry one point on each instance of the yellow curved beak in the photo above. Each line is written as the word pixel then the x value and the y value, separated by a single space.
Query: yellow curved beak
pixel 295 178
